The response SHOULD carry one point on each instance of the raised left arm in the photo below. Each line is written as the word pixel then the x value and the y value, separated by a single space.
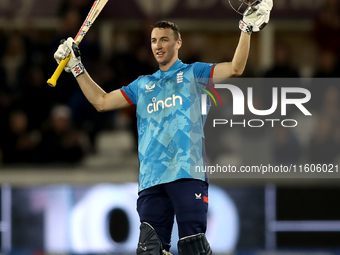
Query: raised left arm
pixel 238 63
pixel 255 18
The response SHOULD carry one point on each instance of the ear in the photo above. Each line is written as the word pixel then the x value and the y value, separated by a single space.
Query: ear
pixel 178 44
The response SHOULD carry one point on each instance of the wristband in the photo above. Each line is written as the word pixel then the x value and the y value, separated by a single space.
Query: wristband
pixel 245 27
pixel 78 69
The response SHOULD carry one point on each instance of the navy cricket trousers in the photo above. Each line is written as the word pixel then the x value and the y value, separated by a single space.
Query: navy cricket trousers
pixel 187 199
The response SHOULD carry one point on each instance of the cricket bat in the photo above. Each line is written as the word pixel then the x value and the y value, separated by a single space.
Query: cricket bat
pixel 96 8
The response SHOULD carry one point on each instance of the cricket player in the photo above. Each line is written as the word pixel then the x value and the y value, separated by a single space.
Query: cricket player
pixel 170 130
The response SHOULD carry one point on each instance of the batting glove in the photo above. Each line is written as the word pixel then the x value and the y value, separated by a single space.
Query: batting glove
pixel 256 17
pixel 74 65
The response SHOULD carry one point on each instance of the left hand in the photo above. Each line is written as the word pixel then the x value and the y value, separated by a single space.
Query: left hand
pixel 255 18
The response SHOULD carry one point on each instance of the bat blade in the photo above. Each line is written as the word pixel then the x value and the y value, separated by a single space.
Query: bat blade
pixel 94 12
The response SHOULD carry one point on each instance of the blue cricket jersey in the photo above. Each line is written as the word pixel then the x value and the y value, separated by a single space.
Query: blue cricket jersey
pixel 170 123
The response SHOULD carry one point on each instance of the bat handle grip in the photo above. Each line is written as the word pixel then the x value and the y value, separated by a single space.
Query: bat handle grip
pixel 52 82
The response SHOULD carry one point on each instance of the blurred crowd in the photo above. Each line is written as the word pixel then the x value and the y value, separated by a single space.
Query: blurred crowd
pixel 323 145
pixel 57 125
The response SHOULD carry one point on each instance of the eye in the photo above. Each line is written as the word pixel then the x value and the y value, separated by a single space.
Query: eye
pixel 165 39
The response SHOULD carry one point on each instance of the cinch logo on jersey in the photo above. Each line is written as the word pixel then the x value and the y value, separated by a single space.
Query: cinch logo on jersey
pixel 161 104
pixel 239 102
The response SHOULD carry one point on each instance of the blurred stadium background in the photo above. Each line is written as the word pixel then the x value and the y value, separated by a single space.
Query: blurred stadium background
pixel 68 174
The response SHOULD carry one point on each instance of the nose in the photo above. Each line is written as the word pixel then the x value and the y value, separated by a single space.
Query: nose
pixel 158 45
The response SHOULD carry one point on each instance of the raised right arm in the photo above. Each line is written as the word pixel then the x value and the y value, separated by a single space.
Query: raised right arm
pixel 101 100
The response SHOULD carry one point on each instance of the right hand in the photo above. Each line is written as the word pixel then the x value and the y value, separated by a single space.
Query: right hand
pixel 66 48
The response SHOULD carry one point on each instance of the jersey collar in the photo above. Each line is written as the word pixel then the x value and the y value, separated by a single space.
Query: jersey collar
pixel 175 67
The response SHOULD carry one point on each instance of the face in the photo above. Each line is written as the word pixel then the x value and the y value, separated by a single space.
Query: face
pixel 165 47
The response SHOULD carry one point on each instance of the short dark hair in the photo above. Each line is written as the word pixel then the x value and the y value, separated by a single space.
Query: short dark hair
pixel 168 24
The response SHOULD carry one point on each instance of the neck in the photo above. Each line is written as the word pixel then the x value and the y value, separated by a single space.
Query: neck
pixel 168 65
